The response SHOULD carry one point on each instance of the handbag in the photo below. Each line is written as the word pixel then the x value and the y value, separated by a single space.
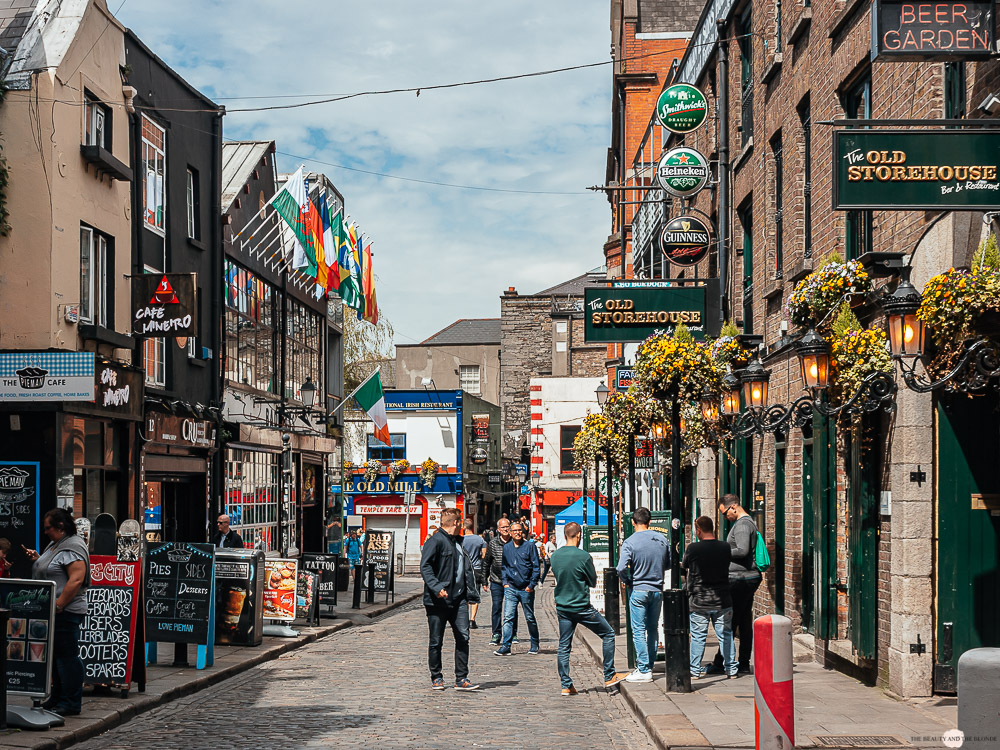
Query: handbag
pixel 760 556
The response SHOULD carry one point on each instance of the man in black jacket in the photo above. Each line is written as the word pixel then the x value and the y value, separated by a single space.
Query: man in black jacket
pixel 492 564
pixel 226 537
pixel 449 586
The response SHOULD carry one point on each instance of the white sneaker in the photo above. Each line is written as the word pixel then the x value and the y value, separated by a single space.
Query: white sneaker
pixel 637 676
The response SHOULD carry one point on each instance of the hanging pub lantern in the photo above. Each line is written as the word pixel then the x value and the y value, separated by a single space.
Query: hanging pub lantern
pixel 730 395
pixel 814 358
pixel 905 329
pixel 710 406
pixel 755 379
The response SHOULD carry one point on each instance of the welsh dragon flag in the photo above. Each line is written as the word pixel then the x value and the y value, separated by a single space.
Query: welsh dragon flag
pixel 293 205
pixel 369 395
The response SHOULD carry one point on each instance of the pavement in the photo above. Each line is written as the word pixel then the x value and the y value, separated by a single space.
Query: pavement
pixel 369 687
pixel 719 713
pixel 167 684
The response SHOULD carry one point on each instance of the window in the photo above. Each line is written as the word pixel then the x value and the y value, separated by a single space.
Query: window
pixel 154 356
pixel 468 378
pixel 954 90
pixel 251 329
pixel 379 451
pixel 857 101
pixel 193 204
pixel 805 118
pixel 561 326
pixel 96 278
pixel 154 158
pixel 253 492
pixel 567 434
pixel 746 74
pixel 779 206
pixel 746 220
pixel 96 123
pixel 192 347
pixel 304 349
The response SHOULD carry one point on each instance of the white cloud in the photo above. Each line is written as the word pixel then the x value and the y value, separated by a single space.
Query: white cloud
pixel 441 253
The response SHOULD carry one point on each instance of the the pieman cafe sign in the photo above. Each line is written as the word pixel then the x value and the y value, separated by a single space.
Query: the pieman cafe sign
pixel 165 305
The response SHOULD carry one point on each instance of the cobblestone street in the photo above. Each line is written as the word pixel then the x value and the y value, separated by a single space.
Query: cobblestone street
pixel 369 687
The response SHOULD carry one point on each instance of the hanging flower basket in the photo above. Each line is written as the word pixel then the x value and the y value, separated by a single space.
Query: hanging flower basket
pixel 957 306
pixel 727 350
pixel 817 294
pixel 396 468
pixel 675 367
pixel 854 356
pixel 428 472
pixel 372 469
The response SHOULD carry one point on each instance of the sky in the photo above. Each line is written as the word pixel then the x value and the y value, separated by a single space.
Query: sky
pixel 440 253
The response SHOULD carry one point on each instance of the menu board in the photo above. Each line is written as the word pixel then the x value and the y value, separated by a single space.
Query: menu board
pixel 32 606
pixel 378 550
pixel 239 583
pixel 305 594
pixel 279 588
pixel 19 520
pixel 179 580
pixel 107 634
pixel 326 567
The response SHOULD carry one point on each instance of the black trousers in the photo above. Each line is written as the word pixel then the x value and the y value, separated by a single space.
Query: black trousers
pixel 456 615
pixel 743 591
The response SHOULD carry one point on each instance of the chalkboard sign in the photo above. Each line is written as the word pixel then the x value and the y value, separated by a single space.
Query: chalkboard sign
pixel 107 634
pixel 326 567
pixel 379 546
pixel 32 606
pixel 19 520
pixel 179 592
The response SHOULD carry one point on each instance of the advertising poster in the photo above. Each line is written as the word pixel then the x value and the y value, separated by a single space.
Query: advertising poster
pixel 305 594
pixel 280 580
pixel 19 521
pixel 326 567
pixel 481 428
pixel 107 634
pixel 179 592
pixel 379 547
pixel 239 581
pixel 32 606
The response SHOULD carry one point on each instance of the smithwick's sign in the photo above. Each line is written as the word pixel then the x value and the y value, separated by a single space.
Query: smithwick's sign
pixel 681 108
pixel 942 30
pixel 917 169
pixel 685 240
pixel 165 304
pixel 632 314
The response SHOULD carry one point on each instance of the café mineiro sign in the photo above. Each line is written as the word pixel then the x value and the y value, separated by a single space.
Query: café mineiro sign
pixel 636 310
pixel 941 30
pixel 916 169
pixel 165 304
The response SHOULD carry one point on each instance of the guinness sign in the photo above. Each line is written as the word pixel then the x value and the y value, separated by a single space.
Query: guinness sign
pixel 685 240
pixel 682 171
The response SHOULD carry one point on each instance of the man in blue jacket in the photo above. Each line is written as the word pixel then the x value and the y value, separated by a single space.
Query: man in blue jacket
pixel 449 586
pixel 519 570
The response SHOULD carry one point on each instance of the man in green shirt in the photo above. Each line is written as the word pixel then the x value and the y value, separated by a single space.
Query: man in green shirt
pixel 575 575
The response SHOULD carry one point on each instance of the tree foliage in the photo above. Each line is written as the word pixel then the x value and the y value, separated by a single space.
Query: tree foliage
pixel 365 348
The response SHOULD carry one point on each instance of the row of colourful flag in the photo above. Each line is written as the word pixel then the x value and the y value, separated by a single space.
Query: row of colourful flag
pixel 330 248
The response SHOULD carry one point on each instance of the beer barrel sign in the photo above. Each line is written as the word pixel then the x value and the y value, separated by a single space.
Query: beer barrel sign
pixel 686 240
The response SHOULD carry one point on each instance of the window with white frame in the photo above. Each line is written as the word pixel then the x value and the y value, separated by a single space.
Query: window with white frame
pixel 96 123
pixel 468 378
pixel 192 204
pixel 154 160
pixel 154 356
pixel 96 294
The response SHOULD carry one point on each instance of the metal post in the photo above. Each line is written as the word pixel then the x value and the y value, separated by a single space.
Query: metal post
pixel 633 500
pixel 723 136
pixel 356 603
pixel 677 648
pixel 370 594
pixel 408 494
pixel 612 609
pixel 612 596
pixel 612 535
pixel 585 494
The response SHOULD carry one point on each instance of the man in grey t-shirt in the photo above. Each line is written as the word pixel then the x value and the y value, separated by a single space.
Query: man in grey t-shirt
pixel 475 547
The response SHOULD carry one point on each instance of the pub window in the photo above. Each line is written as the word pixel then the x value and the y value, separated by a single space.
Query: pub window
pixel 745 215
pixel 154 355
pixel 193 204
pixel 954 90
pixel 96 123
pixel 745 31
pixel 253 492
pixel 379 451
pixel 468 376
pixel 154 160
pixel 96 278
pixel 806 121
pixel 304 350
pixel 779 206
pixel 250 329
pixel 857 102
pixel 567 434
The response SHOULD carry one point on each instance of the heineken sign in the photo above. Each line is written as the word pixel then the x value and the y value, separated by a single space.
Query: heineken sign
pixel 682 171
pixel 941 30
pixel 916 170
pixel 631 311
pixel 685 240
pixel 681 108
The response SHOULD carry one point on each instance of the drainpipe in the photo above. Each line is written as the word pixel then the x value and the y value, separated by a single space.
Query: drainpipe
pixel 621 183
pixel 723 108
pixel 218 269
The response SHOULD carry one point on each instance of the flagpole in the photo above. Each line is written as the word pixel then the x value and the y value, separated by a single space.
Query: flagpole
pixel 349 397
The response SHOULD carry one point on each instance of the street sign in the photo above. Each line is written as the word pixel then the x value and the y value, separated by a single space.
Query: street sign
pixel 165 304
pixel 632 314
pixel 520 468
pixel 623 378
pixel 682 171
pixel 916 169
pixel 941 30
pixel 681 108
pixel 616 486
pixel 686 240
pixel 493 477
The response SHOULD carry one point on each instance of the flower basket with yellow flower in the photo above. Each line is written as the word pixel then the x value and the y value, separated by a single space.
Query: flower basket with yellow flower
pixel 675 367
pixel 396 468
pixel 817 294
pixel 372 469
pixel 597 441
pixel 855 353
pixel 428 472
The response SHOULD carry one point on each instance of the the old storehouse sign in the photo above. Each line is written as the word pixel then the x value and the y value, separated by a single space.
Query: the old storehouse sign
pixel 682 171
pixel 685 240
pixel 943 30
pixel 681 108
pixel 165 304
pixel 633 314
pixel 921 170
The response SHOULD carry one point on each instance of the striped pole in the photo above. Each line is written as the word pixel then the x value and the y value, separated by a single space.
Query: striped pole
pixel 773 698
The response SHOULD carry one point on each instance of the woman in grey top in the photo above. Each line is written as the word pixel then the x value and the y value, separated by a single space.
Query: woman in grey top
pixel 66 561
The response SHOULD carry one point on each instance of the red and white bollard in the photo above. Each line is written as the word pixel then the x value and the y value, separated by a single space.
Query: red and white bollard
pixel 773 698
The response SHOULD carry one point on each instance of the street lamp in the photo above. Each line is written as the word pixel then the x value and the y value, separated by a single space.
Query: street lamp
pixel 710 406
pixel 522 474
pixel 602 394
pixel 660 430
pixel 536 479
pixel 905 329
pixel 755 379
pixel 308 393
pixel 814 358
pixel 730 395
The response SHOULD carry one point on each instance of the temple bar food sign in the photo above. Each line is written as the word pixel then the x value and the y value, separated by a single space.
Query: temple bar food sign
pixel 942 30
pixel 916 169
pixel 631 311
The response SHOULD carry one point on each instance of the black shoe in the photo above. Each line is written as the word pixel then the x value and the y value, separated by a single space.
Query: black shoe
pixel 66 711
pixel 473 626
pixel 49 704
pixel 713 669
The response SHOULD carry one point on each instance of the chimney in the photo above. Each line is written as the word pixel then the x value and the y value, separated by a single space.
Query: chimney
pixel 511 292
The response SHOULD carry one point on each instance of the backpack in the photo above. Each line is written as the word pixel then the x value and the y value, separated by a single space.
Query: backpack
pixel 761 557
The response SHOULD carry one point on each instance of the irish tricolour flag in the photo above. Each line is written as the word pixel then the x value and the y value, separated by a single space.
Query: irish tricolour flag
pixel 369 395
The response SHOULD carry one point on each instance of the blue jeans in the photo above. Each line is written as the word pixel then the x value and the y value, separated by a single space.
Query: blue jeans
pixel 644 611
pixel 496 595
pixel 591 619
pixel 511 598
pixel 722 621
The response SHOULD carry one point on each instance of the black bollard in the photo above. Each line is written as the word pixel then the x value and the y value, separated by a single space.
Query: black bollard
pixel 370 595
pixel 356 604
pixel 677 649
pixel 612 611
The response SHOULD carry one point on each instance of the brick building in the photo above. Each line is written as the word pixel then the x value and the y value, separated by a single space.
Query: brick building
pixel 866 531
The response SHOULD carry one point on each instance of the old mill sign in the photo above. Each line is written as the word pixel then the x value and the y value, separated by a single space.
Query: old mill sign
pixel 681 108
pixel 916 169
